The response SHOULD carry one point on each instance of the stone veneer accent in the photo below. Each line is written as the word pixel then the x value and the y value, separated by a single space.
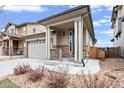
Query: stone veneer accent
pixel 55 53
pixel 65 51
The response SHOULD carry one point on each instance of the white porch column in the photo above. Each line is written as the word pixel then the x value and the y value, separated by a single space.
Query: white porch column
pixel 48 42
pixel 76 40
pixel 80 35
pixel 10 47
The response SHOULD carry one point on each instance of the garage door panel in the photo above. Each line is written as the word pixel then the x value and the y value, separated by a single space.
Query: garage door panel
pixel 37 50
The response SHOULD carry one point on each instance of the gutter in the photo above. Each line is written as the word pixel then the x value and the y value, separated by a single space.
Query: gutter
pixel 89 12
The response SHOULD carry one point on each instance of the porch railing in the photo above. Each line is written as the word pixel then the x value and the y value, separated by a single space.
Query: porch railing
pixel 5 51
pixel 15 51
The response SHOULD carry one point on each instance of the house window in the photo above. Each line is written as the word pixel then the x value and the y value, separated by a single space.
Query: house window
pixel 24 29
pixel 34 30
pixel 70 41
pixel 12 31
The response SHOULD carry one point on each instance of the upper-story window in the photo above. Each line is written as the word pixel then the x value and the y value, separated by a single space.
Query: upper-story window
pixel 20 31
pixel 12 31
pixel 24 29
pixel 34 30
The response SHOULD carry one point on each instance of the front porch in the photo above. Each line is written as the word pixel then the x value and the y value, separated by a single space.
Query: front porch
pixel 68 40
pixel 69 34
pixel 12 46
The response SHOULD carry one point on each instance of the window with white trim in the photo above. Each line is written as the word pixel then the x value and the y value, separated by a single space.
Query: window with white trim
pixel 24 29
pixel 34 31
pixel 70 41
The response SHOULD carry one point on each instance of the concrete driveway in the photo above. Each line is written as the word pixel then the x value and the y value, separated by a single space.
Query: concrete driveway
pixel 7 66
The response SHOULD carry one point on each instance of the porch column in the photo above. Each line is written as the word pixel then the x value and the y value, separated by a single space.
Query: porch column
pixel 48 44
pixel 10 47
pixel 80 36
pixel 76 40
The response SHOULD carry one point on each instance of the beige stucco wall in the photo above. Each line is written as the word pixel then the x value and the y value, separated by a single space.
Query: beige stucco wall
pixel 36 38
pixel 20 44
pixel 29 29
pixel 89 41
pixel 20 30
pixel 39 28
pixel 62 37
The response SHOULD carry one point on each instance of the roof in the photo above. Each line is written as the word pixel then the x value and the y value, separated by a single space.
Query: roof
pixel 26 23
pixel 64 12
pixel 12 35
pixel 68 12
pixel 35 35
pixel 19 25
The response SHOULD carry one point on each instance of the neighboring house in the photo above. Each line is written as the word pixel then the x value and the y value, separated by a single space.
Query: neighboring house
pixel 15 39
pixel 69 33
pixel 118 26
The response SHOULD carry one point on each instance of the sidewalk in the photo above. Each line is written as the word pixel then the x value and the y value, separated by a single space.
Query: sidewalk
pixel 10 57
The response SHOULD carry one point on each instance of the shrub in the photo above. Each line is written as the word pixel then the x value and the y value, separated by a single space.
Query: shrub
pixel 96 81
pixel 57 79
pixel 36 74
pixel 21 69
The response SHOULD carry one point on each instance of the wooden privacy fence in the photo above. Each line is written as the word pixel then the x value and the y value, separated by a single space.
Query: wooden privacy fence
pixel 97 53
pixel 109 52
pixel 113 52
pixel 122 51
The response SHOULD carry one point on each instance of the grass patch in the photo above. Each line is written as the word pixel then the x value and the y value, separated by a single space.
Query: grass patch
pixel 6 83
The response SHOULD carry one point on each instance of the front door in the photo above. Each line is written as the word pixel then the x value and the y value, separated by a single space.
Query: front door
pixel 71 43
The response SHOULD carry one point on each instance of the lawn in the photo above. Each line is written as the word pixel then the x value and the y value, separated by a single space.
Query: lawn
pixel 6 83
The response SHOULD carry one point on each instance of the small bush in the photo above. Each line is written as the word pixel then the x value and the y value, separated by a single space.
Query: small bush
pixel 57 79
pixel 95 81
pixel 36 74
pixel 21 69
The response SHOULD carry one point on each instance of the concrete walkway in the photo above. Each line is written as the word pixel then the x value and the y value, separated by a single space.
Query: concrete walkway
pixel 10 57
pixel 7 66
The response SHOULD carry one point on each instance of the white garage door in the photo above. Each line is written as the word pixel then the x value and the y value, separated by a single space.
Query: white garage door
pixel 37 49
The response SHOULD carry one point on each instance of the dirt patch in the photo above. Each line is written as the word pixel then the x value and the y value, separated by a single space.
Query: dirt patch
pixel 23 82
pixel 113 67
pixel 76 81
pixel 111 64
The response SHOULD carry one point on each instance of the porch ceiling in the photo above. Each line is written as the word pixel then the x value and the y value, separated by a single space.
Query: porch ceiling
pixel 64 26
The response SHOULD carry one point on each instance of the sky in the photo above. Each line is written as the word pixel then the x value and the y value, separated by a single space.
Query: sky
pixel 101 16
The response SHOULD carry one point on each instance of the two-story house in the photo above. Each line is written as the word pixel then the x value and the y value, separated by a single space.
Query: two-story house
pixel 67 35
pixel 13 41
pixel 118 25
